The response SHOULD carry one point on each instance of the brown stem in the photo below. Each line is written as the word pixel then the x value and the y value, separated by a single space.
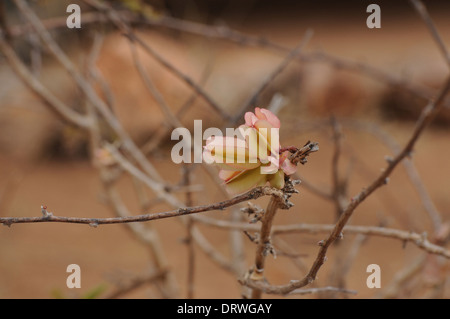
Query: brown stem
pixel 264 245
pixel 49 217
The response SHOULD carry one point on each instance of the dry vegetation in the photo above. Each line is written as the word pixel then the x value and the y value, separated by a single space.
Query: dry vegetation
pixel 85 132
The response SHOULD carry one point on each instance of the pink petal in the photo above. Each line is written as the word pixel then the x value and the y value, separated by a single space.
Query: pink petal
pixel 260 115
pixel 269 134
pixel 288 168
pixel 250 119
pixel 271 118
pixel 227 176
pixel 272 168
pixel 286 165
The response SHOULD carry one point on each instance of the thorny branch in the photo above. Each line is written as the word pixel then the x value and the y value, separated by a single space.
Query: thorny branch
pixel 427 115
pixel 147 174
pixel 50 217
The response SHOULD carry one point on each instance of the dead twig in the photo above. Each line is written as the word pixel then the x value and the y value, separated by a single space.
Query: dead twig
pixel 427 115
pixel 135 283
pixel 423 13
pixel 264 244
pixel 49 217
pixel 62 110
pixel 288 59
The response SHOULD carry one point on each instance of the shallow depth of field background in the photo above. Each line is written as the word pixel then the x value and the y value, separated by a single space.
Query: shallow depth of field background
pixel 43 161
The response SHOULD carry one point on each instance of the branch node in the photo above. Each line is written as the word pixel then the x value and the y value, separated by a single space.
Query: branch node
pixel 46 214
pixel 253 238
pixel 94 224
pixel 257 274
pixel 301 154
pixel 389 159
pixel 7 223
pixel 296 182
pixel 184 210
pixel 254 210
pixel 268 249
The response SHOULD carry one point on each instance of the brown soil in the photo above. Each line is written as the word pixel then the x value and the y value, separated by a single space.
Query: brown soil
pixel 34 257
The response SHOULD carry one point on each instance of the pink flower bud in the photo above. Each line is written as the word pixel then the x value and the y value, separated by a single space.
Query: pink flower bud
pixel 253 159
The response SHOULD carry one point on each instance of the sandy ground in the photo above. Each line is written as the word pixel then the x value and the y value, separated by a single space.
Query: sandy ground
pixel 33 258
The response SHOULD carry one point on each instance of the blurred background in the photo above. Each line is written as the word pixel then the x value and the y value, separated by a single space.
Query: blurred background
pixel 45 161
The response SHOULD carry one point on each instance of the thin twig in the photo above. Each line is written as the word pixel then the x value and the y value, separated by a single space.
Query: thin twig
pixel 402 277
pixel 145 235
pixel 423 13
pixel 135 283
pixel 316 190
pixel 251 101
pixel 339 186
pixel 49 217
pixel 322 290
pixel 264 245
pixel 225 33
pixel 189 240
pixel 420 240
pixel 427 115
pixel 87 89
pixel 408 164
pixel 62 110
pixel 170 117
pixel 122 25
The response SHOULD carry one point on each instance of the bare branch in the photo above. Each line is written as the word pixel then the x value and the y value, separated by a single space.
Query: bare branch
pixel 135 283
pixel 410 168
pixel 49 217
pixel 290 57
pixel 426 117
pixel 423 12
pixel 121 25
pixel 62 110
pixel 322 290
pixel 420 240
pixel 264 244
pixel 87 89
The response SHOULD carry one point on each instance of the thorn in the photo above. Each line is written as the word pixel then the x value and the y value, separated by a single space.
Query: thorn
pixel 44 210
pixel 45 213
pixel 184 210
pixel 94 224
pixel 7 224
